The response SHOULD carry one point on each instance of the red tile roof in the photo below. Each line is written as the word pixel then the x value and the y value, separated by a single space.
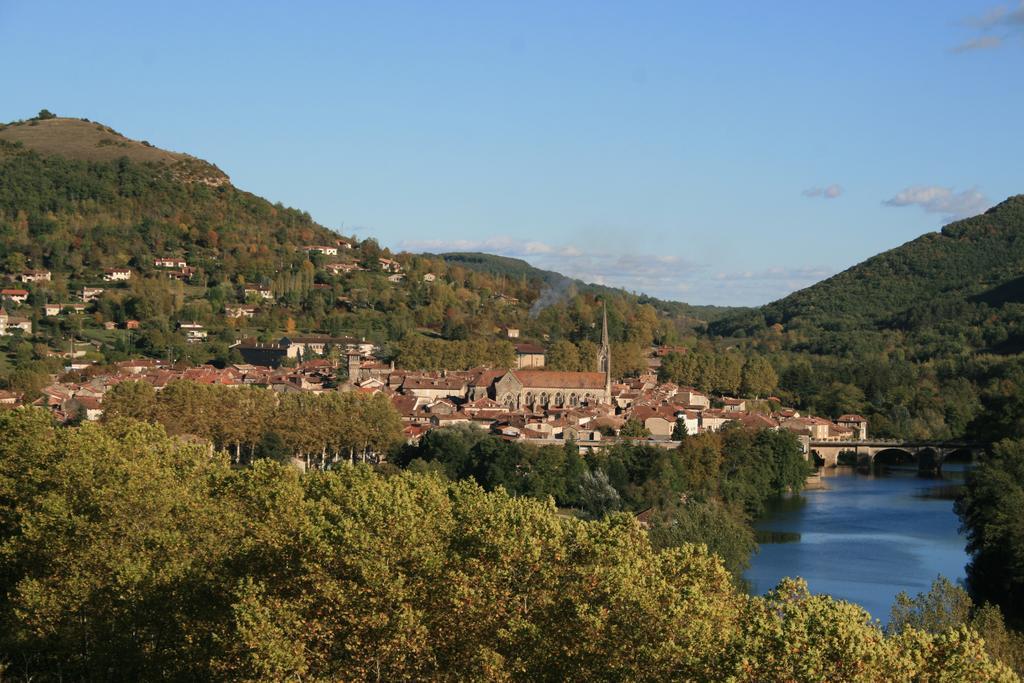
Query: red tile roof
pixel 551 379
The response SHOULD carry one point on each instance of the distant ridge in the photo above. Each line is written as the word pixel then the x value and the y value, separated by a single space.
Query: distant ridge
pixel 557 284
pixel 934 278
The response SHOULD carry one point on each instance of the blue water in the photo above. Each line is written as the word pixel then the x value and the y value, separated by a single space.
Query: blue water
pixel 864 539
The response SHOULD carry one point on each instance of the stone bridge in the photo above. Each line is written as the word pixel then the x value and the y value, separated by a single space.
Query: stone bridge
pixel 927 455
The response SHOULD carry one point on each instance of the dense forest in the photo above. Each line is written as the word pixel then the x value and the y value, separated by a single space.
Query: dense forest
pixel 924 340
pixel 129 555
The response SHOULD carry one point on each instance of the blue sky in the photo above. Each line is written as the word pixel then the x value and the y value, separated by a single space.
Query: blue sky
pixel 719 153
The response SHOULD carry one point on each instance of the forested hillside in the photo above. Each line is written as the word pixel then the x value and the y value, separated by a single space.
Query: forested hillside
pixel 924 339
pixel 78 199
pixel 951 280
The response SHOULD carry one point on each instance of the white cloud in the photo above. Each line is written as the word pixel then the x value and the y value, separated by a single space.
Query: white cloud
pixel 830 192
pixel 993 28
pixel 1000 15
pixel 943 200
pixel 667 276
pixel 979 43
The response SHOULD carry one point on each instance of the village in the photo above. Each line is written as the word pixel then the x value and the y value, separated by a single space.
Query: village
pixel 527 402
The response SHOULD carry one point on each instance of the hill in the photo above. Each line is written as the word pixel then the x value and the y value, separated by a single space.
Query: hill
pixel 977 259
pixel 77 200
pixel 84 140
pixel 965 272
pixel 924 335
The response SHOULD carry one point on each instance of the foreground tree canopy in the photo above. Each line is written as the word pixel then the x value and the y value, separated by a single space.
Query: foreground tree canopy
pixel 131 555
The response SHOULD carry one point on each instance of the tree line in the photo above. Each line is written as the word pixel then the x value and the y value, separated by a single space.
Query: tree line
pixel 251 422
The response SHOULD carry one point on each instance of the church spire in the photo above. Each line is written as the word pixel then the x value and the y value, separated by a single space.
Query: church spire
pixel 604 360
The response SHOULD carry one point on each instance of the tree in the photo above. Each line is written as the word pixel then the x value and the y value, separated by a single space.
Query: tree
pixel 273 447
pixel 634 429
pixel 563 355
pixel 943 607
pixel 628 359
pixel 45 114
pixel 989 510
pixel 759 377
pixel 724 532
pixel 679 430
pixel 136 400
pixel 597 495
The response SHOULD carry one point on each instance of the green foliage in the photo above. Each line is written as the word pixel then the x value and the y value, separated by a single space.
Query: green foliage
pixel 947 607
pixel 720 373
pixel 131 555
pixel 634 429
pixel 709 523
pixel 943 607
pixel 252 422
pixel 598 497
pixel 416 352
pixel 679 430
pixel 990 512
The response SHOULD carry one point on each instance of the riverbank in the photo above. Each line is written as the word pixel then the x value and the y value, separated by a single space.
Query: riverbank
pixel 815 482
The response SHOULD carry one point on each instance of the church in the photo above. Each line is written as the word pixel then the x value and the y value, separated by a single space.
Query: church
pixel 542 389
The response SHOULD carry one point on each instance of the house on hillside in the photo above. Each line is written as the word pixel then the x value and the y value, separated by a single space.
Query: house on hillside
pixel 239 311
pixel 91 293
pixel 734 405
pixel 529 355
pixel 390 265
pixel 117 274
pixel 342 267
pixel 15 323
pixel 194 333
pixel 35 276
pixel 258 292
pixel 18 296
pixel 170 262
pixel 322 249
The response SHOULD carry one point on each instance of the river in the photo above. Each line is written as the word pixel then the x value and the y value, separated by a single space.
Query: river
pixel 864 539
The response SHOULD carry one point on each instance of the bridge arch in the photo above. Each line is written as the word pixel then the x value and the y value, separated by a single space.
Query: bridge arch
pixel 930 459
pixel 960 455
pixel 894 456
